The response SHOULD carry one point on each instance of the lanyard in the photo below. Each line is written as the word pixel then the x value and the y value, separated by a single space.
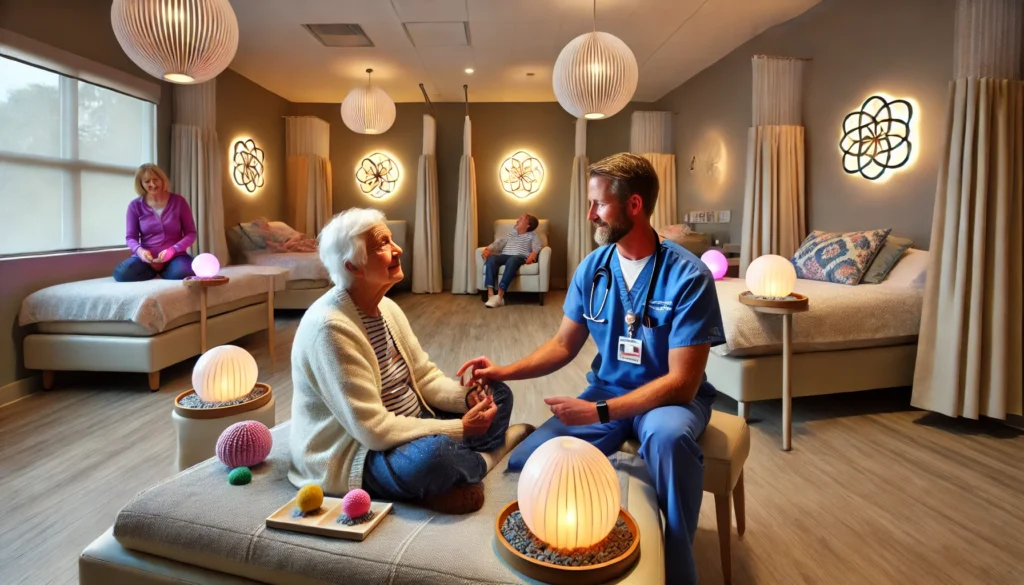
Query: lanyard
pixel 631 318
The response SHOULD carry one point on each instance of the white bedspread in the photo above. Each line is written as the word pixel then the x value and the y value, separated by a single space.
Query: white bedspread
pixel 839 317
pixel 152 303
pixel 300 265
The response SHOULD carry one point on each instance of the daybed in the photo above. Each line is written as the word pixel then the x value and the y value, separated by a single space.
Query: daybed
pixel 852 338
pixel 196 528
pixel 108 326
pixel 307 277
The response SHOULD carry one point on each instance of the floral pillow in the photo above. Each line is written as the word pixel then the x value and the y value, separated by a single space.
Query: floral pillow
pixel 838 258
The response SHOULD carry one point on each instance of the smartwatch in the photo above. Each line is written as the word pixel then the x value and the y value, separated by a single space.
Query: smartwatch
pixel 602 411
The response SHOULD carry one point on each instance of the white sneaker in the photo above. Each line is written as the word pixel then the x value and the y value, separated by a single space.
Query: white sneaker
pixel 495 302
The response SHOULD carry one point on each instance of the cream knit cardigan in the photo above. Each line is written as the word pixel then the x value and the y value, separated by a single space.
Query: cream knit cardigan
pixel 337 411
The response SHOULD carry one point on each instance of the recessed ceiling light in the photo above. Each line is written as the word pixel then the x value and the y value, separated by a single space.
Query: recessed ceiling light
pixel 469 70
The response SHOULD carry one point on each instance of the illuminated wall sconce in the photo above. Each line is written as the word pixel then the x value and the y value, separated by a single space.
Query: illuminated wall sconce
pixel 377 175
pixel 247 161
pixel 877 138
pixel 521 175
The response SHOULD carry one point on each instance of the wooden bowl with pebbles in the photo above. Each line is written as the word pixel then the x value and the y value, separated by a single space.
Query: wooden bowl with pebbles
pixel 600 563
pixel 189 405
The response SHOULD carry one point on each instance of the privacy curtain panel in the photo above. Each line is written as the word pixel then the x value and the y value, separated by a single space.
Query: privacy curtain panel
pixel 774 198
pixel 308 173
pixel 463 276
pixel 969 348
pixel 651 137
pixel 196 165
pixel 426 250
pixel 581 240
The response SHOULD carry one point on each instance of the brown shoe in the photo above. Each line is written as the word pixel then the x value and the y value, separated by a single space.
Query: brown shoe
pixel 462 499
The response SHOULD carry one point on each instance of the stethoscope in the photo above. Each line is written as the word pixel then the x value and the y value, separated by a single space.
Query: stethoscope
pixel 606 273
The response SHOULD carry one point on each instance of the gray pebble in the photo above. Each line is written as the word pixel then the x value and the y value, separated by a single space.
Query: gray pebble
pixel 518 535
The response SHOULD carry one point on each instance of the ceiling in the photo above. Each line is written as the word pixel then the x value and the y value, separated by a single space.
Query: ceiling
pixel 433 41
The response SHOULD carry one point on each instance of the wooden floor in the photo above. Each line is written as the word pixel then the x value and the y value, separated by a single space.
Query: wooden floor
pixel 872 493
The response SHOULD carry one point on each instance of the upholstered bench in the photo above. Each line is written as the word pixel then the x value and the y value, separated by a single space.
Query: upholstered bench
pixel 725 444
pixel 195 528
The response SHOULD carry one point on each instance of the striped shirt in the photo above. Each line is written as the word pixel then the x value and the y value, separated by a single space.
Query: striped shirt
pixel 396 382
pixel 516 244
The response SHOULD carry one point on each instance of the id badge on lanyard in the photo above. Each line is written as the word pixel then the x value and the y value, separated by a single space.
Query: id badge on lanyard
pixel 630 350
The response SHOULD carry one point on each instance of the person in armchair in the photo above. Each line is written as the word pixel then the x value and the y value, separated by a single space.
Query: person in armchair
pixel 369 408
pixel 520 246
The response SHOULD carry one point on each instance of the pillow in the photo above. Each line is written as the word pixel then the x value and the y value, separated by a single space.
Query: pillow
pixel 838 258
pixel 254 235
pixel 886 258
pixel 911 271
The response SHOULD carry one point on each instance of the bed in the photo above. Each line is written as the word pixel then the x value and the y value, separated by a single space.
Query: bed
pixel 852 338
pixel 107 326
pixel 307 278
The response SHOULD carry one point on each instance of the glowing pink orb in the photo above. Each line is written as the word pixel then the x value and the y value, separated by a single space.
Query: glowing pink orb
pixel 205 265
pixel 356 503
pixel 716 263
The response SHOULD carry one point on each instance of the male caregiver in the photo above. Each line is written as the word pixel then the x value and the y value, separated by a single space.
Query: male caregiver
pixel 652 310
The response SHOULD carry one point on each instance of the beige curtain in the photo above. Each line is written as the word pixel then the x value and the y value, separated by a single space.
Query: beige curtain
pixel 774 201
pixel 195 165
pixel 464 274
pixel 308 173
pixel 581 238
pixel 651 137
pixel 426 251
pixel 969 349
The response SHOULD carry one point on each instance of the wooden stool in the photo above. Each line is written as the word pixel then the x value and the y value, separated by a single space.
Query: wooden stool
pixel 725 444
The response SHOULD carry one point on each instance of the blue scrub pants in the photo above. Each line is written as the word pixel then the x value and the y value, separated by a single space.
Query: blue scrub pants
pixel 433 465
pixel 668 444
pixel 511 264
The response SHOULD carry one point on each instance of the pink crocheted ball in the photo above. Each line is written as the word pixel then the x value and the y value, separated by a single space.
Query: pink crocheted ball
pixel 244 444
pixel 356 503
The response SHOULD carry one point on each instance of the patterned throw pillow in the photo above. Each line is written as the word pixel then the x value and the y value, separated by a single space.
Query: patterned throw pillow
pixel 838 258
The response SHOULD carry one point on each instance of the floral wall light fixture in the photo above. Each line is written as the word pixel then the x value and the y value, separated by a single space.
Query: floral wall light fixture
pixel 521 174
pixel 247 163
pixel 377 175
pixel 877 138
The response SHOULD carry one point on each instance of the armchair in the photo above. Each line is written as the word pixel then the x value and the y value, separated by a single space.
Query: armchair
pixel 534 277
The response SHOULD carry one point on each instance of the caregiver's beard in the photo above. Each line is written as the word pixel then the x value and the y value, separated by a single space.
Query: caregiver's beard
pixel 609 233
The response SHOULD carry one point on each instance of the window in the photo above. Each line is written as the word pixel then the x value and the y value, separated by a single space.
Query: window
pixel 68 155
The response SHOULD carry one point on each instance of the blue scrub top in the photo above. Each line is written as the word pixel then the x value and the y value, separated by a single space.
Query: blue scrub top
pixel 683 311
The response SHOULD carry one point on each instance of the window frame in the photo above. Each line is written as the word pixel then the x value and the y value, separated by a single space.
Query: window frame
pixel 71 70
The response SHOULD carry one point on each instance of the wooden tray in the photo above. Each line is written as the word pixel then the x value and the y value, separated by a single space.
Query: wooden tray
pixel 193 281
pixel 561 575
pixel 797 304
pixel 326 522
pixel 220 411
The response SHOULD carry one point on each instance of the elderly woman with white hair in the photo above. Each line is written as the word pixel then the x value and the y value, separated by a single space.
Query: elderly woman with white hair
pixel 369 408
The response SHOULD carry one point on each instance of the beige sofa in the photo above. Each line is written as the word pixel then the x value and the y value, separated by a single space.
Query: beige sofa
pixel 196 528
pixel 533 278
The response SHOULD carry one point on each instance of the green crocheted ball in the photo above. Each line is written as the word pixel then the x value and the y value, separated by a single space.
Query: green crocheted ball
pixel 240 476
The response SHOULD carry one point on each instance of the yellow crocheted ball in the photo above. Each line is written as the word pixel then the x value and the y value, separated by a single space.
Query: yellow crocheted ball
pixel 310 498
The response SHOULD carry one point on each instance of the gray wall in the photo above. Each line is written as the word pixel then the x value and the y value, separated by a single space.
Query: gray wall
pixel 499 129
pixel 901 47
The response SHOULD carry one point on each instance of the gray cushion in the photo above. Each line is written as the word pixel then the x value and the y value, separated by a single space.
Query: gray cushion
pixel 196 517
pixel 886 258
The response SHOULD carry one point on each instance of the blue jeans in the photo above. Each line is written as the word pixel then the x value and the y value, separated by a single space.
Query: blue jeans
pixel 511 264
pixel 668 445
pixel 135 270
pixel 433 465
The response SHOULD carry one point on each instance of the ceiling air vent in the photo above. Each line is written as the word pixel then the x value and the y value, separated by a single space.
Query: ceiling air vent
pixel 339 35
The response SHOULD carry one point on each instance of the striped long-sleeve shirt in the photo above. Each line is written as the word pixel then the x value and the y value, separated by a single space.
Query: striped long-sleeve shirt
pixel 516 244
pixel 395 389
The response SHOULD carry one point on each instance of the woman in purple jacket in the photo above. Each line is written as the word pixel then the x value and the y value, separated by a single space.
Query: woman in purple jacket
pixel 160 229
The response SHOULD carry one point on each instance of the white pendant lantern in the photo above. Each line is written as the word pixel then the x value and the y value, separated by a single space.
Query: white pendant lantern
pixel 368 109
pixel 595 76
pixel 181 41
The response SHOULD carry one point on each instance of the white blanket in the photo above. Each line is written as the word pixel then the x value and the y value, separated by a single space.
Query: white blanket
pixel 152 303
pixel 300 265
pixel 839 317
